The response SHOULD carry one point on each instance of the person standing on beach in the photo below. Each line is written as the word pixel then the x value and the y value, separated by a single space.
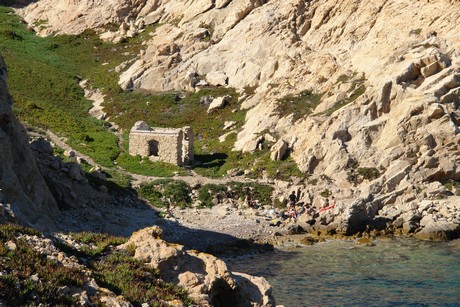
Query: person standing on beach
pixel 292 199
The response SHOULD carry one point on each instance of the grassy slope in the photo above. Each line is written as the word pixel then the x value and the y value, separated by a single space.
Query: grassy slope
pixel 43 79
pixel 113 269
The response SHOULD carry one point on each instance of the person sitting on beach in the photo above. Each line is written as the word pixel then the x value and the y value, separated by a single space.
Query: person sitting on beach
pixel 328 206
pixel 332 205
pixel 292 214
pixel 326 203
pixel 248 200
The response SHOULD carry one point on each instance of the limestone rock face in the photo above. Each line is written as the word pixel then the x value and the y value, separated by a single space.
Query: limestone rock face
pixel 21 185
pixel 388 72
pixel 73 17
pixel 206 277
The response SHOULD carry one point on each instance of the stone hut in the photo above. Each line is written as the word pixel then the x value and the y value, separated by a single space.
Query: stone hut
pixel 162 144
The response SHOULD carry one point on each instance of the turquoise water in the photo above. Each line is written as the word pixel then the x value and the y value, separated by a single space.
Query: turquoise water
pixel 400 272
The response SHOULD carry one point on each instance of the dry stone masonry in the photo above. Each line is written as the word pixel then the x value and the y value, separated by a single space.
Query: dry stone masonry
pixel 171 145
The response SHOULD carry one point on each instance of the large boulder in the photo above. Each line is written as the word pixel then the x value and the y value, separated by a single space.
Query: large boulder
pixel 279 150
pixel 206 277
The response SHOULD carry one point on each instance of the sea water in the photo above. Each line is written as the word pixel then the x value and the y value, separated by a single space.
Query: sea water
pixel 396 272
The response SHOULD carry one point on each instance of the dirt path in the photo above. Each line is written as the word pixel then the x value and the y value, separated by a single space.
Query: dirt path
pixel 219 226
pixel 192 179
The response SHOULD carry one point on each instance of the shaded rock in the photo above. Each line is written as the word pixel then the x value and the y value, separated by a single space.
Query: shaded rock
pixel 205 277
pixel 438 230
pixel 217 78
pixel 218 103
pixel 41 146
pixel 75 172
pixel 279 150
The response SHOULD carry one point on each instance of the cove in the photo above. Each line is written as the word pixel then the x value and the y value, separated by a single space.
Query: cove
pixel 393 272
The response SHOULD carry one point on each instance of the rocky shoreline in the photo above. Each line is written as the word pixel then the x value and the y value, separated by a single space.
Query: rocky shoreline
pixel 432 220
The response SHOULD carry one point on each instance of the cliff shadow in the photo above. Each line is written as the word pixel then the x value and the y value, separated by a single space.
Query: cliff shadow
pixel 17 3
pixel 215 160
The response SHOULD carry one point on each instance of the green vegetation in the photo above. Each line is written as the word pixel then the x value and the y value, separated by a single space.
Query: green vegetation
pixel 19 264
pixel 356 90
pixel 125 275
pixel 207 192
pixel 356 93
pixel 44 84
pixel 161 192
pixel 118 271
pixel 357 174
pixel 236 190
pixel 143 166
pixel 44 76
pixel 96 243
pixel 453 186
pixel 368 173
pixel 415 31
pixel 326 193
pixel 299 105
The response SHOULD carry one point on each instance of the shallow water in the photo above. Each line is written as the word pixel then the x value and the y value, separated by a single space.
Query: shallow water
pixel 398 272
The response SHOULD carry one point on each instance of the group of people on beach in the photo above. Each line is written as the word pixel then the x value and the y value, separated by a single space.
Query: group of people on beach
pixel 295 207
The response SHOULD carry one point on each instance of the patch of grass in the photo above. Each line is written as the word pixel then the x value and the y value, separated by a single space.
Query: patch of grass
pixel 299 105
pixel 326 193
pixel 368 173
pixel 43 79
pixel 18 265
pixel 250 90
pixel 139 284
pixel 96 243
pixel 357 174
pixel 358 92
pixel 236 190
pixel 207 192
pixel 143 166
pixel 210 31
pixel 161 192
pixel 453 186
pixel 343 78
pixel 415 31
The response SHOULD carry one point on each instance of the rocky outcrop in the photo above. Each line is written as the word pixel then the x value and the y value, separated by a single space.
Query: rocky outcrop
pixel 206 277
pixel 386 129
pixel 73 17
pixel 22 189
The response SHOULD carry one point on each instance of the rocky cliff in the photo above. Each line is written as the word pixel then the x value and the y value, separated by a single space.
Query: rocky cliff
pixel 24 194
pixel 384 127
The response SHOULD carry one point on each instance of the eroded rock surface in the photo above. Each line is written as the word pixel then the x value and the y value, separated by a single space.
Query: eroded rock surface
pixel 22 188
pixel 206 277
pixel 385 131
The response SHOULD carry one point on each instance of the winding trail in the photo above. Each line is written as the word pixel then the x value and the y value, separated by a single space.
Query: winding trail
pixel 192 179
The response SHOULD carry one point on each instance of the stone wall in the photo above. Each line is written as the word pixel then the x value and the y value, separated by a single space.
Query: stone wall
pixel 162 144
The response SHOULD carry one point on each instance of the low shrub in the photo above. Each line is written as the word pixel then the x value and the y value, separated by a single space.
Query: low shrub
pixel 139 284
pixel 207 192
pixel 299 105
pixel 143 166
pixel 368 173
pixel 161 192
pixel 17 266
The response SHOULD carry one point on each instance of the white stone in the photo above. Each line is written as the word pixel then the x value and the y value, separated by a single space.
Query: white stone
pixel 217 103
pixel 217 78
